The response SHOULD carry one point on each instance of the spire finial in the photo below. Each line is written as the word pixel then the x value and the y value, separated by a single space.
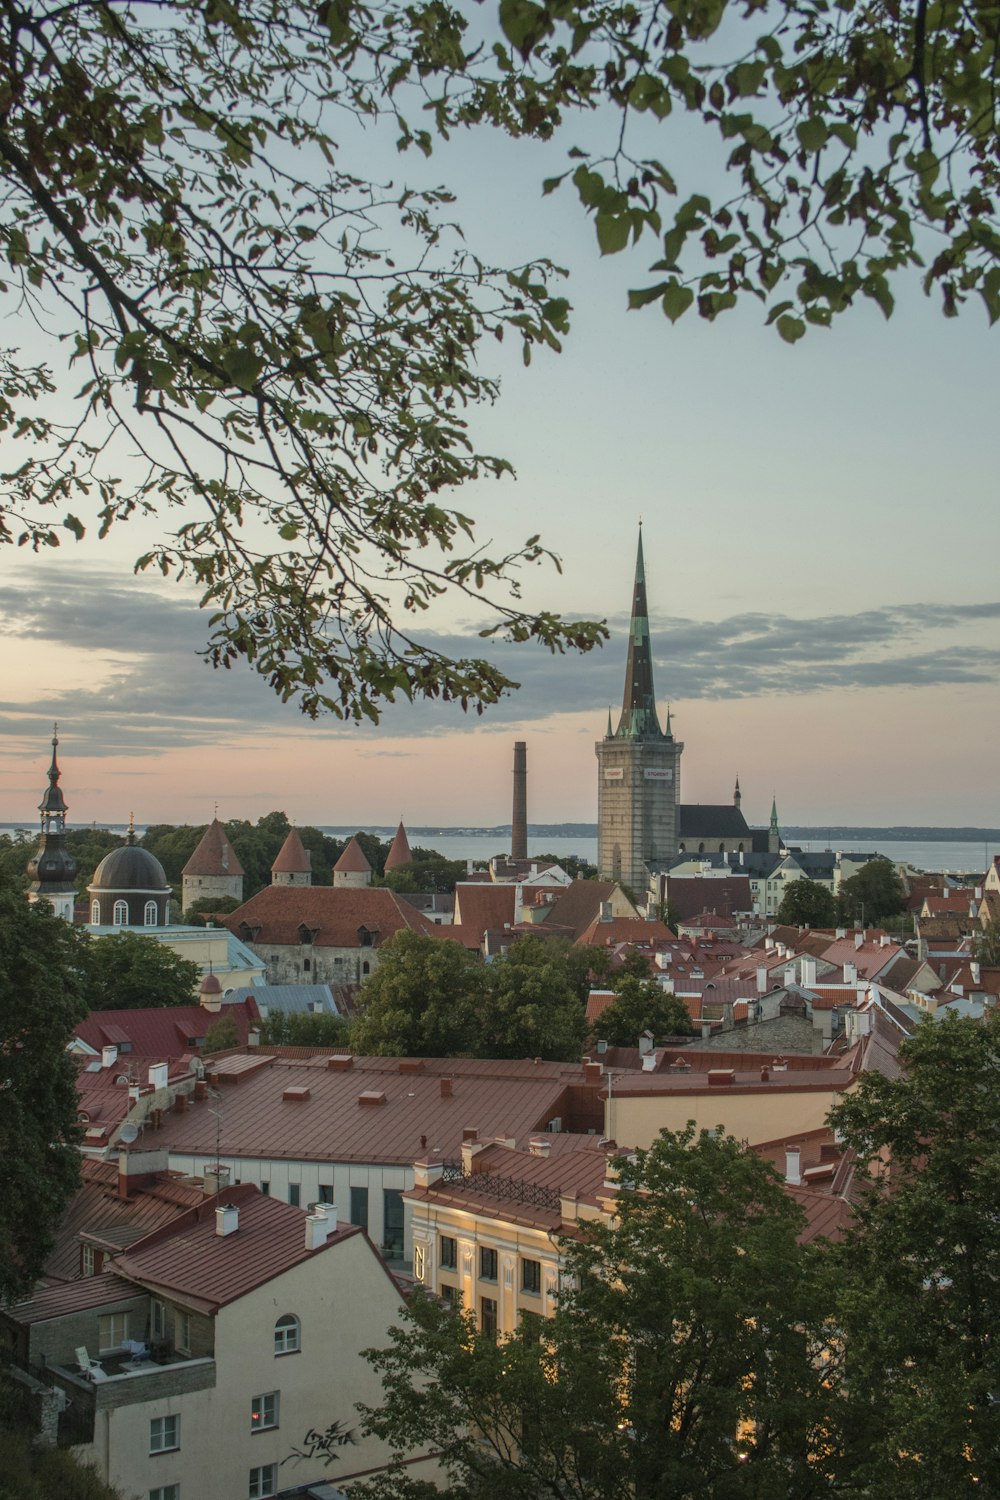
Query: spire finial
pixel 130 836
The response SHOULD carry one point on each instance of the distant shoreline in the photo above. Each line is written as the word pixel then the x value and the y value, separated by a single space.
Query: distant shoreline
pixel 832 837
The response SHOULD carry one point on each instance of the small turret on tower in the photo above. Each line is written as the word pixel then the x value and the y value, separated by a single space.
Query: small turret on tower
pixel 293 864
pixel 52 871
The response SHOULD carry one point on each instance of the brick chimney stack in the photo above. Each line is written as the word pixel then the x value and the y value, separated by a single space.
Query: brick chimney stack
pixel 519 818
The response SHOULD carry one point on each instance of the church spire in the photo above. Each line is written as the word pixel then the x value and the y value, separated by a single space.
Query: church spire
pixel 737 795
pixel 53 804
pixel 52 870
pixel 639 720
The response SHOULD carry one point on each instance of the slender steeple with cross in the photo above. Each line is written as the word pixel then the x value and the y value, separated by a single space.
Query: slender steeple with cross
pixel 638 766
pixel 52 871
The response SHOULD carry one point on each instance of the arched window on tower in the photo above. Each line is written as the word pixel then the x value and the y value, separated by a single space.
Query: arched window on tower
pixel 722 848
pixel 120 917
pixel 701 848
pixel 149 916
pixel 95 913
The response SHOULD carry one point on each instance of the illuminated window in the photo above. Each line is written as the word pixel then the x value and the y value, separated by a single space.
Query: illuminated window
pixel 264 1411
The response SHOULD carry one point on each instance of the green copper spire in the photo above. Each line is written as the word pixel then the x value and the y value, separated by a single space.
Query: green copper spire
pixel 639 720
pixel 774 815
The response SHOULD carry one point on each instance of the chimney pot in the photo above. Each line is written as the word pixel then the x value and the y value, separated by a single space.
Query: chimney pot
pixel 446 1088
pixel 793 1174
pixel 227 1219
pixel 109 1056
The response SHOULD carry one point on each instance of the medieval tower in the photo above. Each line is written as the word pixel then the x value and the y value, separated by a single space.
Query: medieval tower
pixel 639 766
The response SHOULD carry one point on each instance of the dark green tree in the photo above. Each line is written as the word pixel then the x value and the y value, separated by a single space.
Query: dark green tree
pixel 874 894
pixel 986 944
pixel 684 1358
pixel 530 1007
pixel 31 1473
pixel 302 1030
pixel 576 867
pixel 427 872
pixel 207 906
pixel 421 1001
pixel 129 971
pixel 919 1274
pixel 221 1034
pixel 806 903
pixel 41 1000
pixel 642 1005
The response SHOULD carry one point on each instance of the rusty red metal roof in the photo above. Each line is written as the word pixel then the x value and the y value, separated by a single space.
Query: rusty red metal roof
pixel 447 1096
pixel 293 857
pixel 214 854
pixel 207 1270
pixel 97 1211
pixel 353 859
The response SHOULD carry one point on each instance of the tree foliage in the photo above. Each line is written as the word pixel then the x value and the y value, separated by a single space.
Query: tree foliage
pixel 41 1000
pixel 30 1473
pixel 920 1272
pixel 531 1008
pixel 421 1000
pixel 642 1005
pixel 681 1359
pixel 290 348
pixel 807 903
pixel 129 971
pixel 874 894
pixel 297 1029
pixel 221 1034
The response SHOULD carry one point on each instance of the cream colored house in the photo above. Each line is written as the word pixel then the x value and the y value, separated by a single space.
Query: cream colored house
pixel 485 1235
pixel 225 1353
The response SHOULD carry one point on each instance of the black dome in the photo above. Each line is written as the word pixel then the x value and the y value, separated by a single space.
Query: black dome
pixel 129 869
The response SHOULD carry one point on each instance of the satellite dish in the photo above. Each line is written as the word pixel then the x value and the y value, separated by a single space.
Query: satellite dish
pixel 128 1134
pixel 123 1078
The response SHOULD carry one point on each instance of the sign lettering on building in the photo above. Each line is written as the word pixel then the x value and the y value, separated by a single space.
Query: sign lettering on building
pixel 658 775
pixel 617 773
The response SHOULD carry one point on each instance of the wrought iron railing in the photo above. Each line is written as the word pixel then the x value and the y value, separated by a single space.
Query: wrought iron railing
pixel 508 1189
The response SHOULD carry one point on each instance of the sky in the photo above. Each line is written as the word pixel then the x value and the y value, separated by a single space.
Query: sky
pixel 821 530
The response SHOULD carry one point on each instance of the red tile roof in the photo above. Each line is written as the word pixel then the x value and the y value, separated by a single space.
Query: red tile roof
pixel 579 904
pixel 214 854
pixel 399 855
pixel 161 1031
pixel 73 1296
pixel 577 1168
pixel 208 1270
pixel 353 859
pixel 689 894
pixel 293 857
pixel 599 934
pixel 336 915
pixel 481 907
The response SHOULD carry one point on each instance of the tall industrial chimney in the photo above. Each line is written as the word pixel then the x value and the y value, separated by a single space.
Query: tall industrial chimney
pixel 519 819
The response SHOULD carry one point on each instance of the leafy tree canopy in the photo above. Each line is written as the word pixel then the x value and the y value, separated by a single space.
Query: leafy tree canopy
pixel 421 1001
pixel 681 1359
pixel 129 971
pixel 642 1005
pixel 43 1000
pixel 806 903
pixel 291 348
pixel 221 1034
pixel 30 1473
pixel 920 1272
pixel 531 1008
pixel 302 1030
pixel 874 894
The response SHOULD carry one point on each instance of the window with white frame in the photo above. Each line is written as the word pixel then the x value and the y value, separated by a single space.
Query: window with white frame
pixel 263 1482
pixel 157 1319
pixel 88 1261
pixel 287 1335
pixel 264 1411
pixel 120 914
pixel 166 1492
pixel 149 916
pixel 95 913
pixel 164 1434
pixel 112 1331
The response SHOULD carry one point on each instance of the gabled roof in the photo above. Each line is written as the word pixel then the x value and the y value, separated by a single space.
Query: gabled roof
pixel 599 934
pixel 214 854
pixel 481 907
pixel 97 1211
pixel 334 914
pixel 208 1270
pixel 163 1031
pixel 579 905
pixel 353 859
pixel 712 820
pixel 399 855
pixel 689 894
pixel 293 857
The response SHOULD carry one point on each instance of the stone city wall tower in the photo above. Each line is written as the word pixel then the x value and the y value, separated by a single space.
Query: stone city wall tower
pixel 639 764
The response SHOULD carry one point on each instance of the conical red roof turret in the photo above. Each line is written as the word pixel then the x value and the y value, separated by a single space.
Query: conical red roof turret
pixel 399 855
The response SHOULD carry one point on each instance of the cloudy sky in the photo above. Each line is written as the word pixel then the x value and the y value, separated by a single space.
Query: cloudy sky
pixel 821 531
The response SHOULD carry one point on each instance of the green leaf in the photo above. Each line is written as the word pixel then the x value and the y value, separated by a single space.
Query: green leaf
pixel 791 329
pixel 812 133
pixel 676 299
pixel 76 526
pixel 612 232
